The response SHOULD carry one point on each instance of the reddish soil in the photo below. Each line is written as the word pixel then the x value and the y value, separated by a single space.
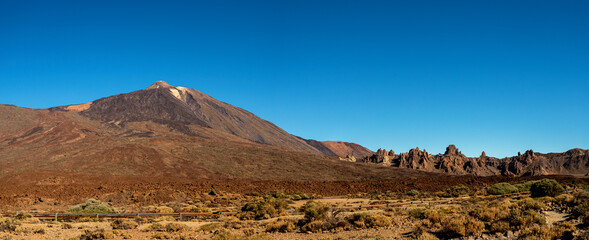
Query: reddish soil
pixel 66 190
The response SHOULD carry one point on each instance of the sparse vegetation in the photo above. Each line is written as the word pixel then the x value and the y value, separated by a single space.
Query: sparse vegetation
pixel 456 191
pixel 461 226
pixel 158 209
pixel 280 226
pixel 124 224
pixel 474 216
pixel 169 227
pixel 8 224
pixel 96 234
pixel 92 206
pixel 209 227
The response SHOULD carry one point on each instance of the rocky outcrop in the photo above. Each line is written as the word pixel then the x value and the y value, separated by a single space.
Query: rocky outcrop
pixel 381 157
pixel 572 162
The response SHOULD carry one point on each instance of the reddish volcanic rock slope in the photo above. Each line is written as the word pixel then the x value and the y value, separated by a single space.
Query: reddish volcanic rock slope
pixel 344 149
pixel 179 107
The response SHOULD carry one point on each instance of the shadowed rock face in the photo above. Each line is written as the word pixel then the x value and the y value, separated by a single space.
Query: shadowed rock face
pixel 572 162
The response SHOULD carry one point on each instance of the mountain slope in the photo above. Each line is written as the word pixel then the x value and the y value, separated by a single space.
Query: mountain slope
pixel 67 146
pixel 165 132
pixel 178 107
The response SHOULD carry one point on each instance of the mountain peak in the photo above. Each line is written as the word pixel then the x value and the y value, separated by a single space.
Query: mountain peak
pixel 160 84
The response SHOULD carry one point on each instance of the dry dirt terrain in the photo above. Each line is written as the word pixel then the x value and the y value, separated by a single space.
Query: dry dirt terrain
pixel 455 212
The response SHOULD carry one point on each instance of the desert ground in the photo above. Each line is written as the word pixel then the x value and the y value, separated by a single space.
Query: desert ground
pixel 540 208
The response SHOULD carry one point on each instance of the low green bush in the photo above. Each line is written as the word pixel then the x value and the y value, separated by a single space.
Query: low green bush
pixel 456 191
pixel 413 193
pixel 546 187
pixel 501 189
pixel 525 186
pixel 315 211
pixel 263 209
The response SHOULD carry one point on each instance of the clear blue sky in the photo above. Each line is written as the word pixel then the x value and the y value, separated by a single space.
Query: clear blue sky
pixel 499 76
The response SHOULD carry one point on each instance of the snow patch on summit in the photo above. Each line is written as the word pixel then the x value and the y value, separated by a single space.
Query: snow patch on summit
pixel 176 93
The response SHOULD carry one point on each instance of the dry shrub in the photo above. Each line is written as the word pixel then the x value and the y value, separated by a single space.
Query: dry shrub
pixel 583 235
pixel 164 219
pixel 365 220
pixel 321 217
pixel 531 204
pixel 96 234
pixel 315 211
pixel 27 218
pixel 124 224
pixel 92 206
pixel 487 214
pixel 461 226
pixel 175 227
pixel 185 237
pixel 426 236
pixel 249 232
pixel 282 226
pixel 521 219
pixel 209 227
pixel 456 191
pixel 39 230
pixel 412 193
pixel 158 209
pixel 27 230
pixel 125 235
pixel 263 209
pixel 170 227
pixel 430 214
pixel 5 236
pixel 536 232
pixel 314 226
pixel 67 226
pixel 194 208
pixel 499 226
pixel 580 206
pixel 233 222
pixel 9 224
pixel 161 235
pixel 563 230
pixel 564 199
pixel 140 220
pixel 377 220
pixel 224 234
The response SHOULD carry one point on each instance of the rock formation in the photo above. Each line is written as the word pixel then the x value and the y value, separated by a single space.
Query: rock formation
pixel 572 162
